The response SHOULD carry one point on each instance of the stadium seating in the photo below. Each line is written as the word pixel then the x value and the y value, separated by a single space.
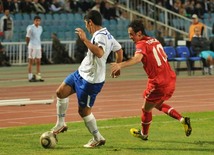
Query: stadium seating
pixel 78 16
pixel 16 36
pixel 26 16
pixel 207 15
pixel 69 35
pixel 63 16
pixel 46 36
pixel 62 23
pixel 56 16
pixel 18 16
pixel 184 55
pixel 75 20
pixel 106 23
pixel 41 15
pixel 193 58
pixel 170 52
pixel 70 16
pixel 48 17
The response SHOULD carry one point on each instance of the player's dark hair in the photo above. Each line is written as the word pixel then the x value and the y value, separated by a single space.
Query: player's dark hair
pixel 137 25
pixel 37 17
pixel 94 16
pixel 54 34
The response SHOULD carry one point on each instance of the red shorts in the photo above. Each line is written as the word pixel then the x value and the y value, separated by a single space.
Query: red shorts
pixel 157 94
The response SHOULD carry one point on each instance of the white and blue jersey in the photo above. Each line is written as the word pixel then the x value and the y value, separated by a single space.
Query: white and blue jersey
pixel 34 33
pixel 92 68
pixel 88 80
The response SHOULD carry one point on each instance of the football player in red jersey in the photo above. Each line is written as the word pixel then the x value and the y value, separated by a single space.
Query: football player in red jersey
pixel 161 78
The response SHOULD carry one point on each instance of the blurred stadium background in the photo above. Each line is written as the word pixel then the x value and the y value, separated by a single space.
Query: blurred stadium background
pixel 171 20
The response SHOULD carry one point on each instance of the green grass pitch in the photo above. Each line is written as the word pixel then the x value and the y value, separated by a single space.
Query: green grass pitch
pixel 166 138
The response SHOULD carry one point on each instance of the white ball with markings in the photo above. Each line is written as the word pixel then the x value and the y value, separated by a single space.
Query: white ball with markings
pixel 48 140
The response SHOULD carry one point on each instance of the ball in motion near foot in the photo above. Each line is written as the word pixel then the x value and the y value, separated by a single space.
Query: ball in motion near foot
pixel 48 140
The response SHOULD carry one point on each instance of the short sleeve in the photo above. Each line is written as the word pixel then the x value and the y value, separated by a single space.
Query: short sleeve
pixel 28 31
pixel 41 28
pixel 140 48
pixel 116 46
pixel 100 41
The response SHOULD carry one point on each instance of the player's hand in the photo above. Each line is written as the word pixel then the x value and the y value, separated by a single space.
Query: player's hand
pixel 115 70
pixel 81 34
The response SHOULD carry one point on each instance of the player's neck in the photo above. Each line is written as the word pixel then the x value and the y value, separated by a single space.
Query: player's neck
pixel 96 28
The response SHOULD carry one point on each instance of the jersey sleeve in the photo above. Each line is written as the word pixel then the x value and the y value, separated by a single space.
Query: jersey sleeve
pixel 99 40
pixel 116 45
pixel 140 48
pixel 29 30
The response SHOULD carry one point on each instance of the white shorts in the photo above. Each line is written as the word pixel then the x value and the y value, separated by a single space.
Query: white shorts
pixel 34 53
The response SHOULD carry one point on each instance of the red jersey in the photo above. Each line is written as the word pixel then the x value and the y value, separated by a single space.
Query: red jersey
pixel 155 62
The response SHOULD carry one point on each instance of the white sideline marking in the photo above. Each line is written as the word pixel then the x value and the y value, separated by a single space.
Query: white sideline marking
pixel 15 100
pixel 22 102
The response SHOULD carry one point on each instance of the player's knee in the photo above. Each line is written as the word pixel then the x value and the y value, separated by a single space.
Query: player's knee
pixel 59 94
pixel 84 111
pixel 158 107
pixel 80 111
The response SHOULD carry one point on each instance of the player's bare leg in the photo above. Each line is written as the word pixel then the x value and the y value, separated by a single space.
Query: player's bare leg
pixel 38 66
pixel 30 74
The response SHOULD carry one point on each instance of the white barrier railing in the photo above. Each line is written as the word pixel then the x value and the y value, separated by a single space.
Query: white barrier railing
pixel 17 51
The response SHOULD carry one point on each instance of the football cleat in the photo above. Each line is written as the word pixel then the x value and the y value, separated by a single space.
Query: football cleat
pixel 59 129
pixel 187 126
pixel 39 78
pixel 94 143
pixel 33 79
pixel 137 133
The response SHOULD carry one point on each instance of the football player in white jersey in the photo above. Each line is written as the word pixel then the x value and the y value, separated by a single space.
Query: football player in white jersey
pixel 33 41
pixel 88 80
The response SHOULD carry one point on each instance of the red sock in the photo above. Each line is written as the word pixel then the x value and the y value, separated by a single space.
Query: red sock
pixel 170 111
pixel 146 119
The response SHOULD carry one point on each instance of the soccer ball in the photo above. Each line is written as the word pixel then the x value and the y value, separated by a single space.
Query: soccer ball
pixel 48 140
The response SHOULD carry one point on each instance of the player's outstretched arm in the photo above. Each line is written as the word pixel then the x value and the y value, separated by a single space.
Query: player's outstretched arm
pixel 115 67
pixel 119 56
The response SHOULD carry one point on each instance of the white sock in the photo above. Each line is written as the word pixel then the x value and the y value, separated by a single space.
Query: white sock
pixel 182 120
pixel 206 69
pixel 90 123
pixel 30 75
pixel 61 106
